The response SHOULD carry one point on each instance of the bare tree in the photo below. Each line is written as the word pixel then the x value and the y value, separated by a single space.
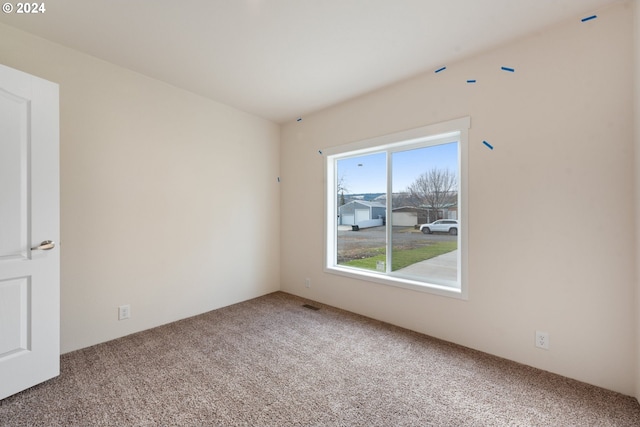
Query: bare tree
pixel 434 190
pixel 341 188
pixel 402 199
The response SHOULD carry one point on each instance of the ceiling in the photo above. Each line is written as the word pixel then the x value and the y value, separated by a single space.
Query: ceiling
pixel 280 59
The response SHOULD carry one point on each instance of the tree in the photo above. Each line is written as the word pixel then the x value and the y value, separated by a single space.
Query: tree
pixel 341 189
pixel 435 190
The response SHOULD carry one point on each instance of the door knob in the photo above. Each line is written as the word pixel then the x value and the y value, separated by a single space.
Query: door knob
pixel 45 245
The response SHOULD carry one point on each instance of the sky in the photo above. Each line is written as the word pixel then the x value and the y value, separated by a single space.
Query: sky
pixel 366 174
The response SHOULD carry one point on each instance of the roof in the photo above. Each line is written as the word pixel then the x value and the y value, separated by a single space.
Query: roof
pixel 368 204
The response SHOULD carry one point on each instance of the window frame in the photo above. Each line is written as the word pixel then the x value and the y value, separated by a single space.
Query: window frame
pixel 424 136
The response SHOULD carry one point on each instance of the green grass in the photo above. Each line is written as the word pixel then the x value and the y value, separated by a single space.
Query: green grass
pixel 404 258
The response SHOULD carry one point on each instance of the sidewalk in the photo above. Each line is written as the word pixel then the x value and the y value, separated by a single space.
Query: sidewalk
pixel 442 267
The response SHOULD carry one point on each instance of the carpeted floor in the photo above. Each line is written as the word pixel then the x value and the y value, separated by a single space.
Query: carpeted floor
pixel 272 362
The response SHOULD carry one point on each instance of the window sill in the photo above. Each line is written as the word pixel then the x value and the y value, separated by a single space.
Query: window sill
pixel 399 282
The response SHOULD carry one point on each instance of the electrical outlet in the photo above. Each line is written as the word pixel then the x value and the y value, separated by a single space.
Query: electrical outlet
pixel 307 283
pixel 542 340
pixel 124 312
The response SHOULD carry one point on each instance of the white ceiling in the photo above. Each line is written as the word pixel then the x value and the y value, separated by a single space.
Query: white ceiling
pixel 280 59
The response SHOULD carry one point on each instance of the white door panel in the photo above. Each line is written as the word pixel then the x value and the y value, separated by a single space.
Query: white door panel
pixel 29 214
pixel 14 296
pixel 13 174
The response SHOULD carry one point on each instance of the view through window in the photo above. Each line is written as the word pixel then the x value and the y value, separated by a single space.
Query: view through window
pixel 397 210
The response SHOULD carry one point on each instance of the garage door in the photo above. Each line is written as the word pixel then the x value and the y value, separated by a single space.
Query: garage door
pixel 406 219
pixel 362 215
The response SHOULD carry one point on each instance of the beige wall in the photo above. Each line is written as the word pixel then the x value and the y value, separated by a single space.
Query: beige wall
pixel 551 208
pixel 170 202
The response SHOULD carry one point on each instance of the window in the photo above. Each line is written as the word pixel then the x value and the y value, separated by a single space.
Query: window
pixel 396 209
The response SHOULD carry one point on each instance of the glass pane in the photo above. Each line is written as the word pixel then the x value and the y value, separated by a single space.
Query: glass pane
pixel 425 213
pixel 361 191
pixel 13 187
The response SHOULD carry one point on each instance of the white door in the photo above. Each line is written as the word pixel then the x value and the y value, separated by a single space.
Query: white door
pixel 29 215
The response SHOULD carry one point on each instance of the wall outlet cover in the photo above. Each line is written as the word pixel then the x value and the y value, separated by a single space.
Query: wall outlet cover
pixel 542 340
pixel 124 312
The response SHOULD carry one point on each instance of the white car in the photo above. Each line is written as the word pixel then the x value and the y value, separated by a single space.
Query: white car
pixel 441 226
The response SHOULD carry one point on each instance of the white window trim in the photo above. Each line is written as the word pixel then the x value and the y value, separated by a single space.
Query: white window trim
pixel 406 140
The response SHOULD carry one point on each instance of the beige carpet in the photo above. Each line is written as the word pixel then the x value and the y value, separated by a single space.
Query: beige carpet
pixel 272 362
